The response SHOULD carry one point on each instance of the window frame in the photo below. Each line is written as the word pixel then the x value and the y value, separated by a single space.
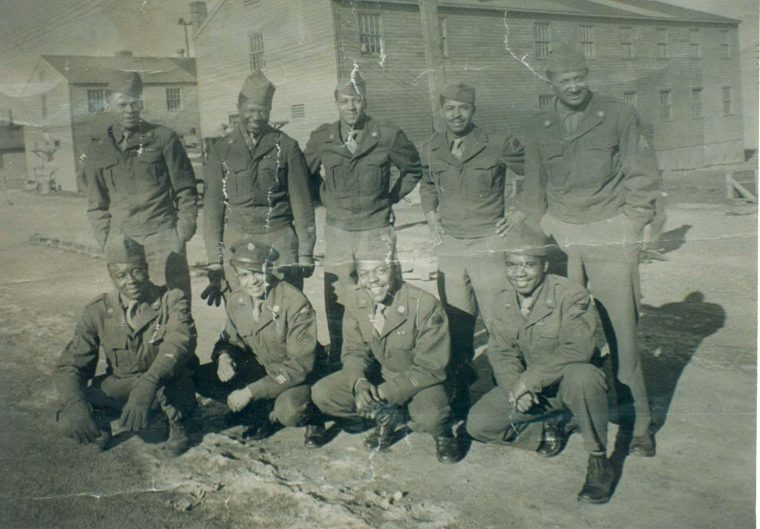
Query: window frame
pixel 170 99
pixel 542 47
pixel 697 106
pixel 663 39
pixel 256 49
pixel 695 43
pixel 587 41
pixel 666 104
pixel 375 42
pixel 92 100
pixel 627 42
pixel 727 90
pixel 725 44
pixel 443 27
pixel 631 97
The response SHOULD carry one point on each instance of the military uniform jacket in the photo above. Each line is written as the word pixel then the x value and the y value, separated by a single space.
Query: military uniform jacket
pixel 356 188
pixel 413 349
pixel 284 339
pixel 263 187
pixel 469 194
pixel 145 189
pixel 559 331
pixel 162 342
pixel 604 168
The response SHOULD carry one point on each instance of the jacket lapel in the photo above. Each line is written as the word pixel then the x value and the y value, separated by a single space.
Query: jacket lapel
pixel 369 137
pixel 474 143
pixel 544 305
pixel 366 307
pixel 149 309
pixel 397 313
pixel 439 148
pixel 334 143
pixel 592 117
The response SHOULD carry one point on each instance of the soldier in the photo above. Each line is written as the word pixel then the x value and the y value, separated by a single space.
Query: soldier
pixel 591 181
pixel 263 363
pixel 540 348
pixel 463 192
pixel 354 156
pixel 258 174
pixel 396 349
pixel 140 183
pixel 148 336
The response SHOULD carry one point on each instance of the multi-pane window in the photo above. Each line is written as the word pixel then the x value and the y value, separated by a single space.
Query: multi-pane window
pixel 587 41
pixel 43 106
pixel 256 51
pixel 544 100
pixel 370 34
pixel 542 38
pixel 173 99
pixel 666 105
pixel 297 111
pixel 696 102
pixel 443 26
pixel 96 100
pixel 694 44
pixel 234 119
pixel 725 45
pixel 728 105
pixel 626 40
pixel 662 43
pixel 629 96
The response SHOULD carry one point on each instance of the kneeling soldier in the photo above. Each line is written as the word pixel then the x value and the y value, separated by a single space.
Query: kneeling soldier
pixel 396 348
pixel 540 348
pixel 148 336
pixel 266 354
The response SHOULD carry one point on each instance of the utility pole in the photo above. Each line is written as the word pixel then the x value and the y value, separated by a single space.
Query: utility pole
pixel 431 36
pixel 184 23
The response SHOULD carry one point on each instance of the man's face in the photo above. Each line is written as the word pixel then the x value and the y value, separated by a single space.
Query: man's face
pixel 571 88
pixel 526 272
pixel 350 108
pixel 254 116
pixel 457 115
pixel 125 110
pixel 254 282
pixel 377 277
pixel 129 279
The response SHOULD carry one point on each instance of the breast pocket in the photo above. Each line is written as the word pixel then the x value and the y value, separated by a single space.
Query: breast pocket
pixel 482 178
pixel 238 179
pixel 338 176
pixel 552 156
pixel 269 176
pixel 598 158
pixel 399 348
pixel 374 174
pixel 114 175
pixel 116 346
pixel 150 170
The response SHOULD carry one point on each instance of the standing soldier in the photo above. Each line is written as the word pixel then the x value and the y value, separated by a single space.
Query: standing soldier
pixel 463 193
pixel 354 156
pixel 140 183
pixel 148 337
pixel 258 175
pixel 591 181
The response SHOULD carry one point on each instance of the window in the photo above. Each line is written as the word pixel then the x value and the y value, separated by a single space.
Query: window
pixel 666 105
pixel 587 41
pixel 544 100
pixel 725 46
pixel 96 101
pixel 297 111
pixel 370 34
pixel 173 99
pixel 256 51
pixel 696 102
pixel 443 25
pixel 629 96
pixel 543 42
pixel 662 43
pixel 694 51
pixel 43 105
pixel 626 40
pixel 728 106
pixel 234 119
pixel 250 2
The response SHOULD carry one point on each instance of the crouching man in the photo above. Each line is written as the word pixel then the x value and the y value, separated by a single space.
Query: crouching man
pixel 541 344
pixel 396 348
pixel 148 336
pixel 264 360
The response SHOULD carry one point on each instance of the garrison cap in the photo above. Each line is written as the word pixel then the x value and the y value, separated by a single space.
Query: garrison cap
pixel 126 82
pixel 379 248
pixel 252 255
pixel 525 239
pixel 566 58
pixel 257 89
pixel 120 249
pixel 352 85
pixel 461 92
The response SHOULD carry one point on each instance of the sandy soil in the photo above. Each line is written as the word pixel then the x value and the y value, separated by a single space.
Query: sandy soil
pixel 698 333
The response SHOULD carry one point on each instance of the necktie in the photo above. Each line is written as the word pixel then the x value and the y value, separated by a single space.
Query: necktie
pixel 252 138
pixel 378 318
pixel 256 311
pixel 131 313
pixel 525 306
pixel 123 142
pixel 456 148
pixel 351 141
pixel 571 121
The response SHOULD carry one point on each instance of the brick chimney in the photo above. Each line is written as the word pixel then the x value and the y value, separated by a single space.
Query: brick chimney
pixel 198 14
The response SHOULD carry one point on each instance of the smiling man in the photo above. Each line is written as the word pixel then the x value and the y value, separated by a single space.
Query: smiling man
pixel 140 183
pixel 541 346
pixel 463 192
pixel 148 337
pixel 591 180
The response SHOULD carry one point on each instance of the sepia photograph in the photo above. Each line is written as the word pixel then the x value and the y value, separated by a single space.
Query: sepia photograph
pixel 389 264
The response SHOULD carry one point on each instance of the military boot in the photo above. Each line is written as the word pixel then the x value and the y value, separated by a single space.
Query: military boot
pixel 553 440
pixel 315 435
pixel 600 479
pixel 381 437
pixel 178 441
pixel 447 448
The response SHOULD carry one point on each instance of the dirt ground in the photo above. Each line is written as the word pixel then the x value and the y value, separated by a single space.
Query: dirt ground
pixel 698 333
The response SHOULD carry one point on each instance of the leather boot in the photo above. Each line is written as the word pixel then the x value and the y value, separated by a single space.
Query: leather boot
pixel 553 440
pixel 600 480
pixel 642 445
pixel 447 448
pixel 381 437
pixel 178 441
pixel 315 435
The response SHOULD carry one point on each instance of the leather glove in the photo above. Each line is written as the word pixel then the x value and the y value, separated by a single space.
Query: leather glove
pixel 185 229
pixel 76 422
pixel 436 230
pixel 390 414
pixel 306 264
pixel 134 416
pixel 217 286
